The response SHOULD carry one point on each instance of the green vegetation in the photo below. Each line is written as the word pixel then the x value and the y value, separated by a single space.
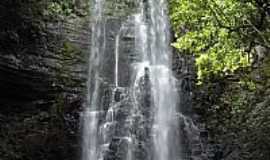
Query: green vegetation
pixel 220 33
pixel 61 7
pixel 67 8
pixel 230 40
pixel 75 8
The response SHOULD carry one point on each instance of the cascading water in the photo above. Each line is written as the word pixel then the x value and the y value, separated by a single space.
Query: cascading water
pixel 117 57
pixel 157 61
pixel 90 116
pixel 138 119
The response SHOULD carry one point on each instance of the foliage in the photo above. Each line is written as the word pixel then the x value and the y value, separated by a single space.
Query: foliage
pixel 61 7
pixel 239 119
pixel 237 113
pixel 65 8
pixel 234 97
pixel 220 33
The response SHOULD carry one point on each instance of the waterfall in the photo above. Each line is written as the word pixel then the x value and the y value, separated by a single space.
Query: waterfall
pixel 91 113
pixel 138 119
pixel 163 84
pixel 117 57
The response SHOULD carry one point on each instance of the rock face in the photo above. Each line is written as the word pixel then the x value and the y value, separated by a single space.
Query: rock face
pixel 196 140
pixel 42 79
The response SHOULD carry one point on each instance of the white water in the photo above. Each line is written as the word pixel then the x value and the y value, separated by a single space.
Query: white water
pixel 152 41
pixel 164 94
pixel 91 113
pixel 157 58
pixel 116 53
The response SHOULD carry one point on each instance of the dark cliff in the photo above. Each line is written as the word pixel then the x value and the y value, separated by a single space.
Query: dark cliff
pixel 41 81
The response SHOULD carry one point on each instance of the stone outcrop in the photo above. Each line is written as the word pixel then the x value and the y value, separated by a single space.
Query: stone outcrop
pixel 42 80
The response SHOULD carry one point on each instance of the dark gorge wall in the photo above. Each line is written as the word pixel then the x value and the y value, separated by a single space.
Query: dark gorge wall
pixel 41 82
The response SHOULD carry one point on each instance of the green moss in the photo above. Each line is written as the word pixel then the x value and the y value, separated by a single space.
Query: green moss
pixel 69 50
pixel 58 108
pixel 266 67
pixel 70 55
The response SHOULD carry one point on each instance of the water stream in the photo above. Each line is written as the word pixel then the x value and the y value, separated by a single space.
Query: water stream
pixel 138 120
pixel 116 52
pixel 91 113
